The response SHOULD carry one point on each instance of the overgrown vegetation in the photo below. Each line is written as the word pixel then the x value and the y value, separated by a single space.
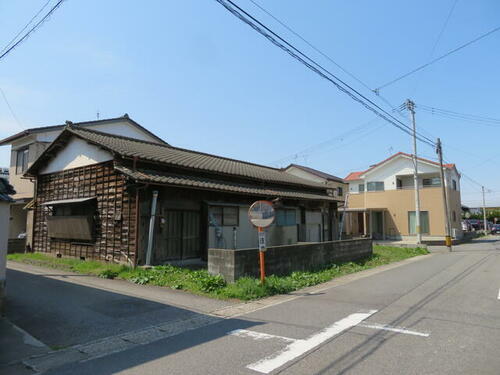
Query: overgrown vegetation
pixel 201 282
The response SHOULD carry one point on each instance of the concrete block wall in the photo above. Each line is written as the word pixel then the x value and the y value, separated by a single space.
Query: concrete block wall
pixel 282 260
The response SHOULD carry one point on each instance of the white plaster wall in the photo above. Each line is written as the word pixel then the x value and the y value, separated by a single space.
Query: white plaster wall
pixel 354 186
pixel 77 153
pixel 305 175
pixel 246 234
pixel 122 128
pixel 4 234
pixel 399 166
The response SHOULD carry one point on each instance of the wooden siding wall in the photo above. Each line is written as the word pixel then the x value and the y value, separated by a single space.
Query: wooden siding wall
pixel 115 224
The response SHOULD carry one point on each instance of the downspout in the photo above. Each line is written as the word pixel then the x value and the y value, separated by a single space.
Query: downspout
pixel 137 222
pixel 34 215
pixel 151 228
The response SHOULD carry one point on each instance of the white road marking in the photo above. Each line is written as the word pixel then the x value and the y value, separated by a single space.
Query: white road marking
pixel 499 294
pixel 393 329
pixel 258 336
pixel 300 347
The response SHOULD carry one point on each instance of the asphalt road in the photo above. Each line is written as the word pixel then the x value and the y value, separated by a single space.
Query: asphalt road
pixel 62 309
pixel 438 315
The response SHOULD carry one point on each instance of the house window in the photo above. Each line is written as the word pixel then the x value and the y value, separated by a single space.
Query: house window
pixel 424 222
pixel 340 191
pixel 375 186
pixel 22 160
pixel 434 181
pixel 399 183
pixel 286 217
pixel 454 184
pixel 224 216
pixel 72 220
pixel 361 188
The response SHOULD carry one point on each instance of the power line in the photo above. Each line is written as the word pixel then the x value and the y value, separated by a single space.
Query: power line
pixel 318 146
pixel 33 29
pixel 438 39
pixel 316 67
pixel 437 59
pixel 311 45
pixel 26 26
pixel 326 56
pixel 458 115
pixel 10 108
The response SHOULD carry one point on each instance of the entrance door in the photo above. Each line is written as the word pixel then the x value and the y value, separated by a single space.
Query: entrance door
pixel 378 225
pixel 179 237
pixel 361 223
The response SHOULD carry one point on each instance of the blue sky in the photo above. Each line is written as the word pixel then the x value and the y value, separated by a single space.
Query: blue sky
pixel 201 79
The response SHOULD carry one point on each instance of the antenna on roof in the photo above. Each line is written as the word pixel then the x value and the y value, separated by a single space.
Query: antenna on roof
pixel 69 123
pixel 98 114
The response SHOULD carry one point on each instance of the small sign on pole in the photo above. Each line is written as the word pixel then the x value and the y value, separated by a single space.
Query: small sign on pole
pixel 261 214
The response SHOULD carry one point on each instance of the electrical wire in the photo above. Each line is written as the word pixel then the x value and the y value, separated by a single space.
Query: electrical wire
pixel 310 44
pixel 317 68
pixel 460 116
pixel 10 108
pixel 32 30
pixel 438 39
pixel 437 59
pixel 329 58
pixel 318 146
pixel 26 26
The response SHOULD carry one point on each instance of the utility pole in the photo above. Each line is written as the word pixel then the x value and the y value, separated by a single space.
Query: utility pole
pixel 485 222
pixel 447 223
pixel 411 107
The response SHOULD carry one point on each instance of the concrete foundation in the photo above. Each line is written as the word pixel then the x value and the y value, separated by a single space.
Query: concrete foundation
pixel 282 260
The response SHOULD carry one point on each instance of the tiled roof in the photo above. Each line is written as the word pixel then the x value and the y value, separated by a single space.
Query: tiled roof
pixel 356 175
pixel 353 176
pixel 177 157
pixel 315 172
pixel 5 190
pixel 50 128
pixel 211 184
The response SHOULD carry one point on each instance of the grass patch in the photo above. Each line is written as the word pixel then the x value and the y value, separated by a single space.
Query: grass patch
pixel 201 282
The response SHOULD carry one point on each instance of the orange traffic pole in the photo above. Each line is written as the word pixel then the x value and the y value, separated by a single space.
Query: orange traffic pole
pixel 262 263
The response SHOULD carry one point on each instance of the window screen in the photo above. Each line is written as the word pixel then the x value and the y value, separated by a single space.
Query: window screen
pixel 286 217
pixel 224 216
pixel 375 186
pixel 22 160
pixel 434 181
pixel 424 222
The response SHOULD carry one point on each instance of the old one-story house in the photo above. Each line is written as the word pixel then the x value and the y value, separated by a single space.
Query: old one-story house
pixel 104 196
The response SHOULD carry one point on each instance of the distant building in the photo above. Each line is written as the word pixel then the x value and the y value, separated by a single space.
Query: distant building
pixel 381 200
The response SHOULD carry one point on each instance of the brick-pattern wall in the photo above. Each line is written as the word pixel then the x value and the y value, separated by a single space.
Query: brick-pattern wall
pixel 282 260
pixel 115 225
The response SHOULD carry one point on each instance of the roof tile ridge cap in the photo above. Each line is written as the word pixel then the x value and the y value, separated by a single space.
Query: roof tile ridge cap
pixel 227 158
pixel 76 127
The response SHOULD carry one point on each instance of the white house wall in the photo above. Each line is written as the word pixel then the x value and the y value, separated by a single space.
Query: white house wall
pixel 305 175
pixel 123 128
pixel 396 167
pixel 77 153
pixel 246 234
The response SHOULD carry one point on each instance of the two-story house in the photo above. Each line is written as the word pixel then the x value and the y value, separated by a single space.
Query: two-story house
pixel 335 184
pixel 381 200
pixel 29 144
